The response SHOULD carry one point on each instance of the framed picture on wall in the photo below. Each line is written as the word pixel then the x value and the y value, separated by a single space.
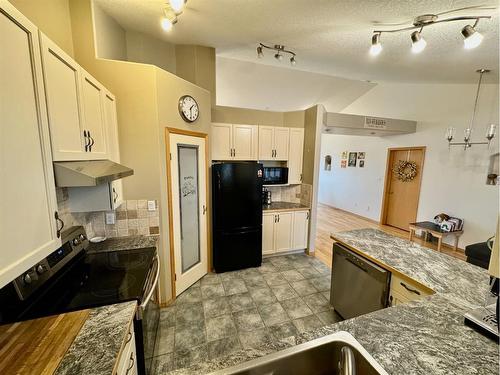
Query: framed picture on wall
pixel 361 163
pixel 343 163
pixel 361 155
pixel 352 159
pixel 344 155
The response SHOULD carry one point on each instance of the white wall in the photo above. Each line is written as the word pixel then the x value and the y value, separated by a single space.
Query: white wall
pixel 110 36
pixel 453 181
pixel 249 85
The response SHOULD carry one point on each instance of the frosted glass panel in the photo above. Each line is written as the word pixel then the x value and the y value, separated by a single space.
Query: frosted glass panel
pixel 189 206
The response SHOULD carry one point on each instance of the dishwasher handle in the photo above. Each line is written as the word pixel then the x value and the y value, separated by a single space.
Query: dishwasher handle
pixel 356 264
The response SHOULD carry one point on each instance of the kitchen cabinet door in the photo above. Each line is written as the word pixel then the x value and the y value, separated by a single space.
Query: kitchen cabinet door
pixel 28 226
pixel 283 231
pixel 396 299
pixel 281 143
pixel 268 233
pixel 221 141
pixel 266 142
pixel 93 117
pixel 295 156
pixel 62 88
pixel 300 229
pixel 245 138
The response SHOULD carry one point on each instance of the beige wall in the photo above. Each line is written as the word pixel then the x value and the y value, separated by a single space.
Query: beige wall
pixel 295 119
pixel 233 115
pixel 50 16
pixel 148 50
pixel 110 36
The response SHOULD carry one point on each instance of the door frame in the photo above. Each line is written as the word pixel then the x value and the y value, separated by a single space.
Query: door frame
pixel 387 179
pixel 189 133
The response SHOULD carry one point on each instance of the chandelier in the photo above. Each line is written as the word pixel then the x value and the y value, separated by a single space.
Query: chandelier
pixel 467 143
pixel 472 38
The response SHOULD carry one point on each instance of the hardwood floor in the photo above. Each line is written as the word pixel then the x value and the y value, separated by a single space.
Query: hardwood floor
pixel 334 220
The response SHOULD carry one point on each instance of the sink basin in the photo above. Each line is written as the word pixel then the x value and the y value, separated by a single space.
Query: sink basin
pixel 316 357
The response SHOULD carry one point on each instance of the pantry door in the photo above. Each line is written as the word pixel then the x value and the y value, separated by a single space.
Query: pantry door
pixel 187 207
pixel 400 203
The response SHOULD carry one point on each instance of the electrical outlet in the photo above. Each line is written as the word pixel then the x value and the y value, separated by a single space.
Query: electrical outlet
pixel 110 218
pixel 151 205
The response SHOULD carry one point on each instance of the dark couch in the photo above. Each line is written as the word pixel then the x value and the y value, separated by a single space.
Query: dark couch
pixel 479 254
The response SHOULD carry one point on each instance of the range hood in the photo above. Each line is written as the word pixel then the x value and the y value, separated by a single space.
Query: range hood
pixel 88 172
pixel 346 124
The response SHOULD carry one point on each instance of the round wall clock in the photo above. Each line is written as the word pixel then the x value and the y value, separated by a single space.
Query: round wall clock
pixel 188 108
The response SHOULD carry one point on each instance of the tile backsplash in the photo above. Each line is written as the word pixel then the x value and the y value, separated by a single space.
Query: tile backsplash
pixel 131 218
pixel 292 193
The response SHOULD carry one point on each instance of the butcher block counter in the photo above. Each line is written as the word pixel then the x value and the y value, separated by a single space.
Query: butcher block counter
pixel 66 343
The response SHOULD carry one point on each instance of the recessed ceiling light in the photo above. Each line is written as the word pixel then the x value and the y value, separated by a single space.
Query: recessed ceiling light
pixel 472 38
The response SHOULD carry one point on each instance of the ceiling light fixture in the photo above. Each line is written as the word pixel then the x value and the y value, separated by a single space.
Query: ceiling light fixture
pixel 280 51
pixel 172 9
pixel 472 38
pixel 467 143
pixel 376 47
pixel 177 5
pixel 418 43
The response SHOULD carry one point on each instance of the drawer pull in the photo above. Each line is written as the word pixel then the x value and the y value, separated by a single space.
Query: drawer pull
pixel 132 362
pixel 409 289
pixel 129 337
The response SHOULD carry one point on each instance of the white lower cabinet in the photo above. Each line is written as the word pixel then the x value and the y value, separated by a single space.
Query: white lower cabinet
pixel 127 361
pixel 284 231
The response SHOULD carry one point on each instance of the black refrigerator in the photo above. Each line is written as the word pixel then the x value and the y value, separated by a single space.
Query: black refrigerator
pixel 237 215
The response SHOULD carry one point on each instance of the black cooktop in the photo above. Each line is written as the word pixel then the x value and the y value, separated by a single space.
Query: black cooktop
pixel 89 280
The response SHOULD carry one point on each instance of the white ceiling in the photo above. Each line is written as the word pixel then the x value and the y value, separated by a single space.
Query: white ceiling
pixel 329 37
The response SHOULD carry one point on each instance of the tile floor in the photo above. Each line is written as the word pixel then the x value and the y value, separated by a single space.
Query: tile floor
pixel 237 310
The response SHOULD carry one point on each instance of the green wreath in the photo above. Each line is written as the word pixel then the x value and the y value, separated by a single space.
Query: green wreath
pixel 405 170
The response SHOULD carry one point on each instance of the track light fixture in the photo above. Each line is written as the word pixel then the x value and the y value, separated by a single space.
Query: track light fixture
pixel 280 51
pixel 472 38
pixel 172 9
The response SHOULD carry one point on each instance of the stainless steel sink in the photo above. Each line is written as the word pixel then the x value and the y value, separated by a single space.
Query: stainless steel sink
pixel 338 353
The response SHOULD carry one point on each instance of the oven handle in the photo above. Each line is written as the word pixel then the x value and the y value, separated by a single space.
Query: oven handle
pixel 153 285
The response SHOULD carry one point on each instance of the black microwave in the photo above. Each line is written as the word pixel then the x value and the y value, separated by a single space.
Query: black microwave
pixel 275 176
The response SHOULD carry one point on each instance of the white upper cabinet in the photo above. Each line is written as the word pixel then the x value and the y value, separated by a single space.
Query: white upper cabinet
pixel 93 114
pixel 234 142
pixel 295 156
pixel 75 107
pixel 62 85
pixel 273 143
pixel 28 228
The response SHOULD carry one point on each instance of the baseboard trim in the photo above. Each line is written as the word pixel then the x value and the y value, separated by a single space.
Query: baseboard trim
pixel 352 213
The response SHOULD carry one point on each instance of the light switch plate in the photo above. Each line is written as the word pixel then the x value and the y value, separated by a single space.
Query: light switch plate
pixel 110 218
pixel 151 205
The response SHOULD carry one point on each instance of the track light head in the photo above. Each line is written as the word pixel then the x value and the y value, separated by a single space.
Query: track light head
pixel 278 56
pixel 177 5
pixel 293 62
pixel 472 38
pixel 418 43
pixel 376 47
pixel 260 53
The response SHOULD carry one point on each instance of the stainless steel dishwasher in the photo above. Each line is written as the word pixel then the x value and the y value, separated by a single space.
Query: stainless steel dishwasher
pixel 358 285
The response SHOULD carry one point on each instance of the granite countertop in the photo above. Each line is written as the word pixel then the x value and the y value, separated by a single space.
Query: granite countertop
pixel 283 206
pixel 420 337
pixel 123 243
pixel 96 348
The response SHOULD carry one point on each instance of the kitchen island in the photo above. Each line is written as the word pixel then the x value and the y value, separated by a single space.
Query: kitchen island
pixel 421 337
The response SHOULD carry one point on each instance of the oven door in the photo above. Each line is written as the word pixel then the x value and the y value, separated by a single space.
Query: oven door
pixel 147 319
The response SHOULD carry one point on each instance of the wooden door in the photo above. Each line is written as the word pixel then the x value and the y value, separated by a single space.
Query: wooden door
pixel 266 142
pixel 222 141
pixel 93 116
pixel 28 199
pixel 281 143
pixel 188 192
pixel 268 233
pixel 300 229
pixel 62 86
pixel 295 156
pixel 401 198
pixel 245 142
pixel 283 231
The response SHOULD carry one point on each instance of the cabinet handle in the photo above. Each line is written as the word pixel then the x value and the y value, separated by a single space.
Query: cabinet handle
pixel 204 209
pixel 234 152
pixel 301 177
pixel 275 218
pixel 410 289
pixel 115 195
pixel 58 221
pixel 278 218
pixel 307 216
pixel 91 141
pixel 132 362
pixel 87 140
pixel 129 337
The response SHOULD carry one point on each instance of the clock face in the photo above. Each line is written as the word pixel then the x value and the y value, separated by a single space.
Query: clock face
pixel 188 108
